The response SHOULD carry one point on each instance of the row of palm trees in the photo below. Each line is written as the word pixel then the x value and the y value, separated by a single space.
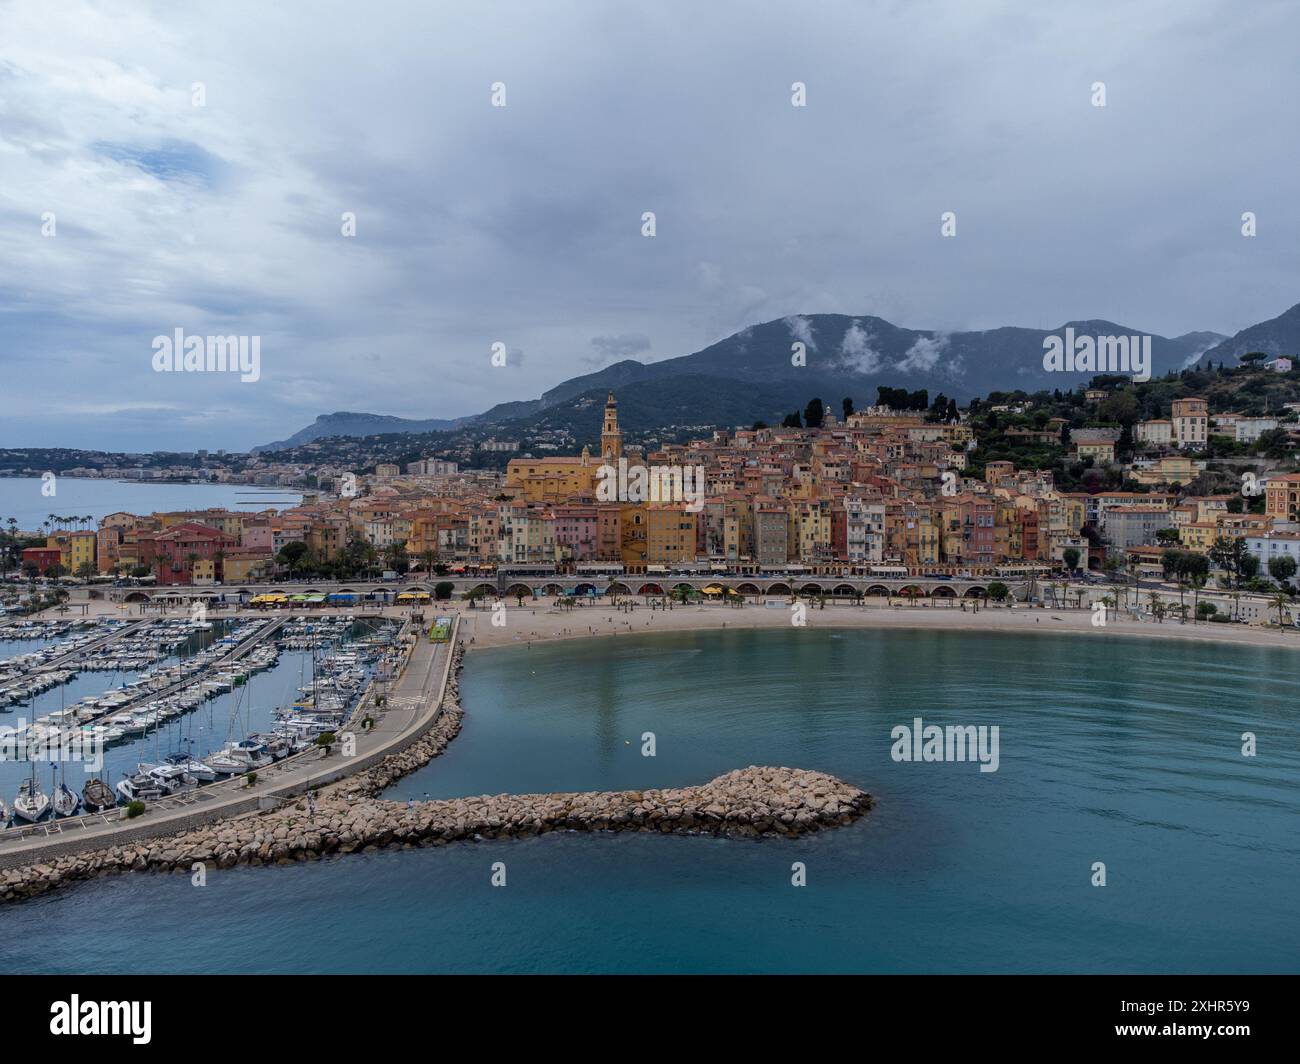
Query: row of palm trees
pixel 66 524
pixel 1194 581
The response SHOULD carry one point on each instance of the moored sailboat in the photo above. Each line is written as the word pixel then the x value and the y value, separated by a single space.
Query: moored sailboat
pixel 32 803
pixel 98 796
pixel 66 802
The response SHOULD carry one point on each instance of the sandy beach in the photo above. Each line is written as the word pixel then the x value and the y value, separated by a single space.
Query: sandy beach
pixel 539 622
pixel 544 623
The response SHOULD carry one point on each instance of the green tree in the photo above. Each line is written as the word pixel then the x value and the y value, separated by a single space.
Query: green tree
pixel 1169 562
pixel 1120 407
pixel 396 558
pixel 1282 568
pixel 293 556
pixel 1229 556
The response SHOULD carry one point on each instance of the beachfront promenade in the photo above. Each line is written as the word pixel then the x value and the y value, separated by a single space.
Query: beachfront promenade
pixel 412 702
pixel 513 586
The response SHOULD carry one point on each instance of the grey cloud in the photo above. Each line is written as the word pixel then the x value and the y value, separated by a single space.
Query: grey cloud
pixel 522 224
pixel 617 348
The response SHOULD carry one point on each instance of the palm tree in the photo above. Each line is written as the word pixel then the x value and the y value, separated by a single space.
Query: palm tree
pixel 1158 608
pixel 1280 601
pixel 1133 562
pixel 1198 582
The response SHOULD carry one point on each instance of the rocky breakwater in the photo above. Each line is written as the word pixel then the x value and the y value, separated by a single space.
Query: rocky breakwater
pixel 754 801
pixel 750 802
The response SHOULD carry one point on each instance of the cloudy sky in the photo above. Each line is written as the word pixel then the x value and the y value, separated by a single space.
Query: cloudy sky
pixel 522 224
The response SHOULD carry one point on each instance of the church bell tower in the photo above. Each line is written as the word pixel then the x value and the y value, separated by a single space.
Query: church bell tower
pixel 611 438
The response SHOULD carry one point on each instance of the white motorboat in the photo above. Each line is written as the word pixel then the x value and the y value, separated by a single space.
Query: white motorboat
pixel 172 778
pixel 243 756
pixel 252 751
pixel 140 788
pixel 277 746
pixel 204 773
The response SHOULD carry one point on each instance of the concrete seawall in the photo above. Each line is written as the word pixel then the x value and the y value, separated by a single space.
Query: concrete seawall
pixel 347 817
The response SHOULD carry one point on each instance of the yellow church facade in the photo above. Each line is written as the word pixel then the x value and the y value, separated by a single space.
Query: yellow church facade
pixel 550 480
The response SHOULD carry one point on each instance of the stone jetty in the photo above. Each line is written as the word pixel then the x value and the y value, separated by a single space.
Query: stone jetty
pixel 348 817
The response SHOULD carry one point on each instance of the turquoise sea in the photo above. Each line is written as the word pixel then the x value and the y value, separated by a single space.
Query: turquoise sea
pixel 23 499
pixel 1112 750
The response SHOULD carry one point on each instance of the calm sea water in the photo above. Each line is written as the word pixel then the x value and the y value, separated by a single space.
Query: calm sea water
pixel 22 498
pixel 1112 750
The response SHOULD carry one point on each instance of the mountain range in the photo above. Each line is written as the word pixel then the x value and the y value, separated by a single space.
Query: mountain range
pixel 1277 336
pixel 343 423
pixel 753 374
